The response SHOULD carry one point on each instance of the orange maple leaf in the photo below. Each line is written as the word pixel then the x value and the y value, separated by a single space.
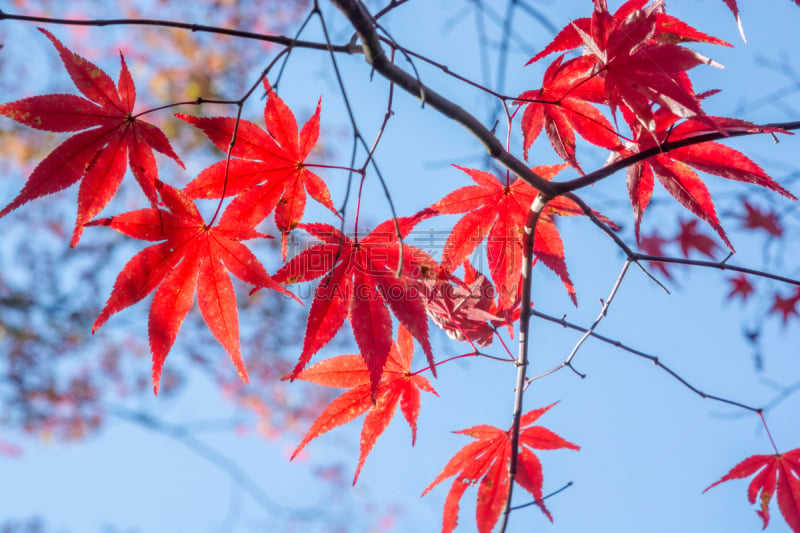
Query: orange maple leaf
pixel 398 385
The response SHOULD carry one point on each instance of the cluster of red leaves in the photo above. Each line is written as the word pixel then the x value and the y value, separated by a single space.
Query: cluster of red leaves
pixel 194 253
pixel 632 62
pixel 486 461
pixel 690 239
pixel 774 474
pixel 361 279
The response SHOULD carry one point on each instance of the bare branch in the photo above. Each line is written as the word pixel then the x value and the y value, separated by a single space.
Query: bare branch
pixel 652 358
pixel 277 39
pixel 364 25
pixel 221 461
pixel 524 332
pixel 597 175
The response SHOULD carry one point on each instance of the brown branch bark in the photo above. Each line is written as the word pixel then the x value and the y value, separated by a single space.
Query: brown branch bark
pixel 599 174
pixel 524 334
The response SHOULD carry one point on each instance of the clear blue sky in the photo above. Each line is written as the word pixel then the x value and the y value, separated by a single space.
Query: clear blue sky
pixel 649 446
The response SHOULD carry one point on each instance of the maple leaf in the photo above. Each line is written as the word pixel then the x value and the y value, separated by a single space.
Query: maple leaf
pixel 268 170
pixel 560 107
pixel 755 218
pixel 638 71
pixel 668 29
pixel 486 462
pixel 673 169
pixel 786 306
pixel 653 244
pixel 500 211
pixel 774 474
pixel 110 138
pixel 466 310
pixel 741 287
pixel 360 281
pixel 192 254
pixel 690 239
pixel 397 386
pixel 635 54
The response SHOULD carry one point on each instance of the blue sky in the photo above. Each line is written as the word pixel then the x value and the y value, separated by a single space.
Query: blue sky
pixel 649 445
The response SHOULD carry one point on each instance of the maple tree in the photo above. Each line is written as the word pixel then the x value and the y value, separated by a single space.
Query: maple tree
pixel 621 82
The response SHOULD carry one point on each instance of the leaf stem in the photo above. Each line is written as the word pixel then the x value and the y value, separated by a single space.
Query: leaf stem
pixel 332 167
pixel 470 354
pixel 766 428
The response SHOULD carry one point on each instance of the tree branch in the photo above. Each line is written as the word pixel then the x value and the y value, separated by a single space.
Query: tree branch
pixel 637 257
pixel 524 333
pixel 277 39
pixel 597 175
pixel 364 25
pixel 224 463
pixel 652 358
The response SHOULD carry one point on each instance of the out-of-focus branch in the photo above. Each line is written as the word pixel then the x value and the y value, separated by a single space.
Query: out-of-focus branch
pixel 187 438
pixel 364 24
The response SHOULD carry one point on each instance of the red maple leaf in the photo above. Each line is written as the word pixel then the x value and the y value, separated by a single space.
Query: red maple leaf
pixel 268 169
pixel 561 107
pixel 741 287
pixel 774 474
pixel 673 168
pixel 192 254
pixel 466 310
pixel 635 54
pixel 360 281
pixel 486 461
pixel 690 239
pixel 500 211
pixel 113 137
pixel 755 218
pixel 638 71
pixel 786 306
pixel 653 244
pixel 668 29
pixel 398 385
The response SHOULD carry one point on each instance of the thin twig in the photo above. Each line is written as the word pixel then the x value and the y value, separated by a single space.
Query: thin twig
pixel 588 332
pixel 278 39
pixel 652 358
pixel 359 17
pixel 539 502
pixel 667 146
